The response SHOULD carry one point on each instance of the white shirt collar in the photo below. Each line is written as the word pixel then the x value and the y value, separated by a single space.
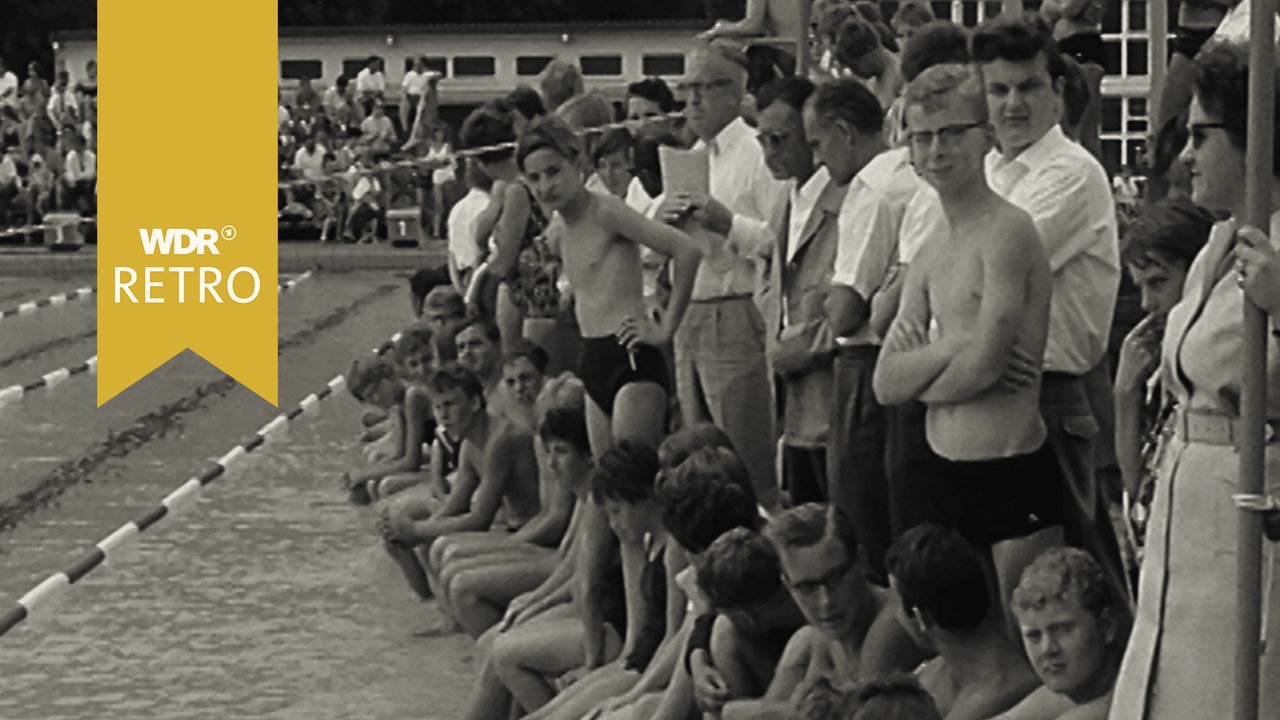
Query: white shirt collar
pixel 804 200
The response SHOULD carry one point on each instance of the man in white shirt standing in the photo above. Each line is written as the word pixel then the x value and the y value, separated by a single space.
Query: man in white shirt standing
pixel 1066 192
pixel 8 86
pixel 371 84
pixel 464 247
pixel 845 123
pixel 415 86
pixel 63 108
pixel 800 348
pixel 722 374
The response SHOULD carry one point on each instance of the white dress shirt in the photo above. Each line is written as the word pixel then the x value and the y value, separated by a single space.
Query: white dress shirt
pixel 415 83
pixel 80 166
pixel 1066 192
pixel 370 82
pixel 310 164
pixel 803 201
pixel 462 228
pixel 739 180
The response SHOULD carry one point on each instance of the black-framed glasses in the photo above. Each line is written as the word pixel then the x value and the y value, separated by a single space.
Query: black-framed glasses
pixel 1197 131
pixel 948 134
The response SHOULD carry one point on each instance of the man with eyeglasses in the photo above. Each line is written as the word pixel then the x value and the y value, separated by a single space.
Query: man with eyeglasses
pixel 722 375
pixel 1067 194
pixel 969 337
pixel 818 558
pixel 800 347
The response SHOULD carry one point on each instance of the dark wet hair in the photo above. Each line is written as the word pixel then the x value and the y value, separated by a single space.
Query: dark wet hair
pixel 451 376
pixel 625 473
pixel 739 568
pixel 938 572
pixel 708 494
pixel 1174 227
pixel 487 329
pixel 549 133
pixel 1017 39
pixel 424 281
pixel 809 524
pixel 568 424
pixel 489 124
pixel 530 351
pixel 899 698
pixel 857 38
pixel 916 13
pixel 613 141
pixel 526 101
pixel 654 90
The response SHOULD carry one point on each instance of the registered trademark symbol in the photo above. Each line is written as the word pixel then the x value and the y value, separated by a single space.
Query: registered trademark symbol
pixel 228 232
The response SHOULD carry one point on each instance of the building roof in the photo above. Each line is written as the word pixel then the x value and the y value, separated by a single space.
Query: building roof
pixel 458 28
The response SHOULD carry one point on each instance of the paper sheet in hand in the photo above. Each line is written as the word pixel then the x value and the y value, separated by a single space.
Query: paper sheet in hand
pixel 685 171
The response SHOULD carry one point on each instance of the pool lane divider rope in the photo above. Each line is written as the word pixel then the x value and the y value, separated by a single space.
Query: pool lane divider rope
pixel 15 393
pixel 175 502
pixel 27 308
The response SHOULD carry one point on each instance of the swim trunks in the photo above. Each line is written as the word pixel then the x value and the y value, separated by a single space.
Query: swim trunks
pixel 988 501
pixel 605 367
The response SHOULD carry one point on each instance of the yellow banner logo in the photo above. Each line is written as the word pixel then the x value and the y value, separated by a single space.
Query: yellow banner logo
pixel 186 226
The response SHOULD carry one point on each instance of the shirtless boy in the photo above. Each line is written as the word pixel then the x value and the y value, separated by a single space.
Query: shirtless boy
pixel 818 555
pixel 1071 629
pixel 942 601
pixel 496 465
pixel 969 335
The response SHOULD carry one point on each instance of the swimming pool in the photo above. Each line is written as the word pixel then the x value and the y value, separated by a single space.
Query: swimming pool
pixel 271 597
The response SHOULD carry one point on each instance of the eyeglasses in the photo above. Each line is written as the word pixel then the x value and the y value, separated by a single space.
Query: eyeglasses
pixel 948 134
pixel 828 581
pixel 689 88
pixel 1197 132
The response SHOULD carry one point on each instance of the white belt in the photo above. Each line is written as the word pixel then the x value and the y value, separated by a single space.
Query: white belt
pixel 1215 429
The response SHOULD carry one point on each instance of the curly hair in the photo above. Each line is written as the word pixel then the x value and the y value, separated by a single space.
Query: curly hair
pixel 739 568
pixel 938 42
pixel 809 524
pixel 625 473
pixel 708 494
pixel 1059 574
pixel 489 124
pixel 938 572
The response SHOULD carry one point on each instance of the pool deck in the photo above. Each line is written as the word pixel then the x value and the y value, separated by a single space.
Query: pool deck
pixel 294 257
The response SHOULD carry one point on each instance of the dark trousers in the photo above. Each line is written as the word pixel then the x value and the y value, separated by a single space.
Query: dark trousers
pixel 856 479
pixel 804 474
pixel 1074 435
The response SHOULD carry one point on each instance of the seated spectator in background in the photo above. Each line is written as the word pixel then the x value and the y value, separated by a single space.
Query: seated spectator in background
pixel 35 86
pixel 561 81
pixel 306 96
pixel 89 85
pixel 42 184
pixel 371 84
pixel 340 106
pixel 1072 630
pixel 80 174
pixel 860 50
pixel 1161 244
pixel 742 580
pixel 525 104
pixel 818 555
pixel 38 132
pixel 909 18
pixel 308 162
pixel 377 131
pixel 367 214
pixel 827 17
pixel 942 588
pixel 63 108
pixel 775 19
pixel 893 700
pixel 465 249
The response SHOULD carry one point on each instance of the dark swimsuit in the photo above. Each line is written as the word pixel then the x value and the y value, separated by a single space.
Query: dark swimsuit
pixel 653 627
pixel 605 366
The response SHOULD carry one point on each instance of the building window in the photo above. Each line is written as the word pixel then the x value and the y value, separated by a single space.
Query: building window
pixel 531 64
pixel 437 64
pixel 652 65
pixel 301 69
pixel 474 66
pixel 352 66
pixel 601 64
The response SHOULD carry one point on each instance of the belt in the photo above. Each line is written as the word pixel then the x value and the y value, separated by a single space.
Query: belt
pixel 862 350
pixel 721 298
pixel 1215 429
pixel 1055 376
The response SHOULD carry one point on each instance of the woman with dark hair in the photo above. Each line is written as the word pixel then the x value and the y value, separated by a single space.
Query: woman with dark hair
pixel 1180 660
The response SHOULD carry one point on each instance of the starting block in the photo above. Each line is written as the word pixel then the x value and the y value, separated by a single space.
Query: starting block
pixel 404 227
pixel 65 234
